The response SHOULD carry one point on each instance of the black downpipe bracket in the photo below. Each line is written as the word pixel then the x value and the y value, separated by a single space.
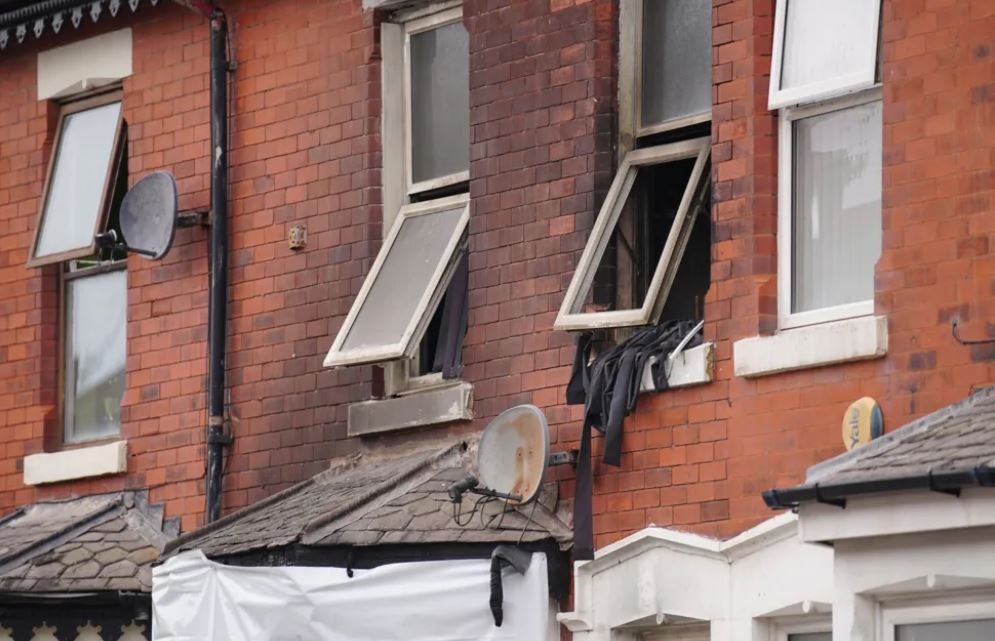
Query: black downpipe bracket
pixel 218 314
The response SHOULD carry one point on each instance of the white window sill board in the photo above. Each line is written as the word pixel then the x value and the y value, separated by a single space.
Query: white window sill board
pixel 854 339
pixel 693 366
pixel 429 407
pixel 81 463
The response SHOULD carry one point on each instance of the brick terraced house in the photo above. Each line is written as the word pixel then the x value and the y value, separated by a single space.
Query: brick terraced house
pixel 401 218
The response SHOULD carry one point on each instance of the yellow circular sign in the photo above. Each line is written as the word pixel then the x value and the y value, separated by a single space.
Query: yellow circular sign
pixel 862 422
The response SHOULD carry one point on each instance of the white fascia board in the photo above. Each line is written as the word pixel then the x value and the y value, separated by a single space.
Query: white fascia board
pixel 85 65
pixel 81 463
pixel 894 513
pixel 854 339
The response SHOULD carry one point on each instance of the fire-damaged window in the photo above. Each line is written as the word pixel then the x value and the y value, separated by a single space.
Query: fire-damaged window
pixel 86 181
pixel 647 259
pixel 633 257
pixel 421 270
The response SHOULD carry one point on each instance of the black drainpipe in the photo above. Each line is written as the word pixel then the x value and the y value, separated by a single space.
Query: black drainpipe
pixel 218 314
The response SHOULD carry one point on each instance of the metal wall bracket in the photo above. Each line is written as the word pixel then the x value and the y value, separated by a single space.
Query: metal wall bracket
pixel 562 458
pixel 193 218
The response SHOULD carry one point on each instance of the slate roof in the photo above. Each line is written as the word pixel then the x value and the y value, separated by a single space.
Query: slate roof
pixel 370 499
pixel 94 543
pixel 950 448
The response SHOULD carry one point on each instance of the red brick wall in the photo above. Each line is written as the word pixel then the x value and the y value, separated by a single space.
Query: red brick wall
pixel 306 150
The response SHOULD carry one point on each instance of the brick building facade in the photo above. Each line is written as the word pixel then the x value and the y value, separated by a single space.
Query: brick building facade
pixel 546 137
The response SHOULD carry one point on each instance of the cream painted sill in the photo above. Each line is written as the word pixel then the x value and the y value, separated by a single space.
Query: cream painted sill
pixel 81 463
pixel 854 339
pixel 429 407
pixel 693 366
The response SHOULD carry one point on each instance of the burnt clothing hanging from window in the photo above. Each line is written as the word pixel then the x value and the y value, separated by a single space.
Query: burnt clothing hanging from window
pixel 608 386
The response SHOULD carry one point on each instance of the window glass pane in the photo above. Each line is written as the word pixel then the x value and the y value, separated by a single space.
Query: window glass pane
pixel 404 279
pixel 837 207
pixel 628 264
pixel 440 102
pixel 811 636
pixel 96 316
pixel 77 183
pixel 979 630
pixel 676 59
pixel 826 40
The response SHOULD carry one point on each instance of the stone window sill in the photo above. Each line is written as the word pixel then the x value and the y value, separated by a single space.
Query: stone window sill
pixel 854 339
pixel 429 407
pixel 80 463
pixel 693 366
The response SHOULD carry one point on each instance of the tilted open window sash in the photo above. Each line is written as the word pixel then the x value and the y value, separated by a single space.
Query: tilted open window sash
pixel 405 285
pixel 579 310
pixel 822 50
pixel 79 183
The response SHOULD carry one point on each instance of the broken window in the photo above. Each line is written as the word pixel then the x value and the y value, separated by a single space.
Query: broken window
pixel 648 257
pixel 656 206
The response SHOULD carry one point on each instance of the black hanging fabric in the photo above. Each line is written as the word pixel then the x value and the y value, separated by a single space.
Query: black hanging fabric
pixel 608 386
pixel 448 357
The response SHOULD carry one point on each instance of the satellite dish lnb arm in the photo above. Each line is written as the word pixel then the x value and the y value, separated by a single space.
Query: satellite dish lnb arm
pixel 108 240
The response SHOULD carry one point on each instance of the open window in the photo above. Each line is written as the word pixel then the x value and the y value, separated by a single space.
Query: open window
pixel 85 184
pixel 635 251
pixel 822 49
pixel 81 174
pixel 426 161
pixel 405 285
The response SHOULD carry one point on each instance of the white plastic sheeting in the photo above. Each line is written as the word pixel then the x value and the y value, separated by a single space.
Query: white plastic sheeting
pixel 194 599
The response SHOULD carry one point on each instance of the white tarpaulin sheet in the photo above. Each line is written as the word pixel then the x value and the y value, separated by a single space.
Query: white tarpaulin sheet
pixel 194 599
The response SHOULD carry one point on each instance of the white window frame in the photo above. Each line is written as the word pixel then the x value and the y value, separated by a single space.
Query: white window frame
pixel 630 79
pixel 936 610
pixel 785 217
pixel 438 282
pixel 411 27
pixel 611 209
pixel 840 85
pixel 782 630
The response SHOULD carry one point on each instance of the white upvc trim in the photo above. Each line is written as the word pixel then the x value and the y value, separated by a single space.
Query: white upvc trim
pixel 79 463
pixel 783 628
pixel 337 357
pixel 611 209
pixel 777 97
pixel 414 26
pixel 947 610
pixel 848 340
pixel 785 217
pixel 897 513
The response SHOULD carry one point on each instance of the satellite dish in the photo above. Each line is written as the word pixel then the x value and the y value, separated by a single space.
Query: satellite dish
pixel 513 454
pixel 148 215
